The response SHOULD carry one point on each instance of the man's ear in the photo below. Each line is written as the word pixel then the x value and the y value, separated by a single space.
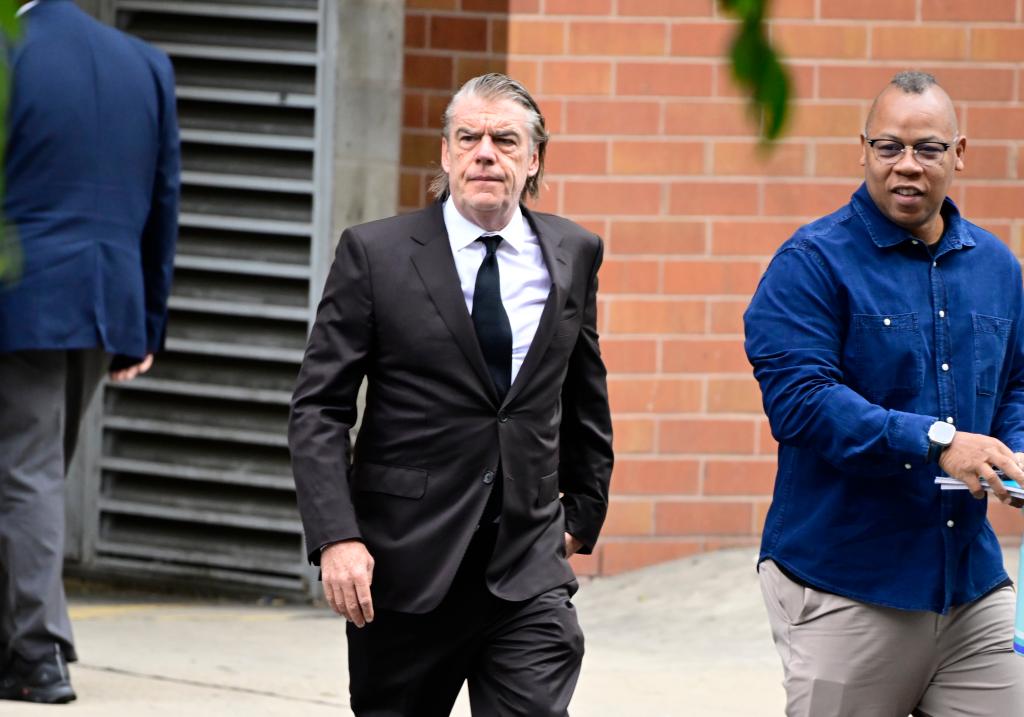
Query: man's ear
pixel 960 148
pixel 444 155
pixel 863 150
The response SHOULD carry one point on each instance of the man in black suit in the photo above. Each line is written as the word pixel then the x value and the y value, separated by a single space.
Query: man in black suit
pixel 474 323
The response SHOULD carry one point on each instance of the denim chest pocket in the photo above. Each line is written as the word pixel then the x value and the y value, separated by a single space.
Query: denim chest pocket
pixel 991 335
pixel 885 355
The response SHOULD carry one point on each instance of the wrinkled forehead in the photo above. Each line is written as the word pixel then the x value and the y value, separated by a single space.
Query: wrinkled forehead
pixel 489 114
pixel 897 113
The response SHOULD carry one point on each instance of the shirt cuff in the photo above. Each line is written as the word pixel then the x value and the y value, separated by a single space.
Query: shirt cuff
pixel 908 433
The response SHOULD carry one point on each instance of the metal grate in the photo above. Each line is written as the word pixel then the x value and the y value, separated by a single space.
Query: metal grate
pixel 194 474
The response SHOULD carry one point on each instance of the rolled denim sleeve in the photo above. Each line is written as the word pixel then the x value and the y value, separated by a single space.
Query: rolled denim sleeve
pixel 795 326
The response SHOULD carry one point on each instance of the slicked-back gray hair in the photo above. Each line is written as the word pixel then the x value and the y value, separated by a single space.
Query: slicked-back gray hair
pixel 496 86
pixel 913 82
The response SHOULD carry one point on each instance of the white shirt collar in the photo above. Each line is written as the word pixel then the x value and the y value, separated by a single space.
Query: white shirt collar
pixel 462 232
pixel 25 8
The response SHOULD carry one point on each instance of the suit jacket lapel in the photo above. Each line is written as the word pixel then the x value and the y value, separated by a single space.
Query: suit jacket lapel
pixel 436 266
pixel 561 277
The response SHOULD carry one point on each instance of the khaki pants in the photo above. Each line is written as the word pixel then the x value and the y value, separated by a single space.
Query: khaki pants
pixel 844 658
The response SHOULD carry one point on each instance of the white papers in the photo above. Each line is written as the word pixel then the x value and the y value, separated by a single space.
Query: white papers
pixel 1012 487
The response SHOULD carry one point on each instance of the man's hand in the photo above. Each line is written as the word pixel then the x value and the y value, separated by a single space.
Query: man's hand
pixel 571 545
pixel 127 374
pixel 972 455
pixel 347 572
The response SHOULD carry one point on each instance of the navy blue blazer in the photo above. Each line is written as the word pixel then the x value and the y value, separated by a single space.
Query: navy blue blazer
pixel 93 174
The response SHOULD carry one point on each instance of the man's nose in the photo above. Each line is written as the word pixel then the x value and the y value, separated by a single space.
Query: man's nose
pixel 907 163
pixel 485 150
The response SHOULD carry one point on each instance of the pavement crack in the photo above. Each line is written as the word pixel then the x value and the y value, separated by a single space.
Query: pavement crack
pixel 207 685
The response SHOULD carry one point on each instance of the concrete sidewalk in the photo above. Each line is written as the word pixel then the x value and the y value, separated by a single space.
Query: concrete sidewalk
pixel 688 639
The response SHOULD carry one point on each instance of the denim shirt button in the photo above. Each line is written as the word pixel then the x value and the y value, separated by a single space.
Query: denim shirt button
pixel 950 523
pixel 907 466
pixel 945 367
pixel 949 419
pixel 942 314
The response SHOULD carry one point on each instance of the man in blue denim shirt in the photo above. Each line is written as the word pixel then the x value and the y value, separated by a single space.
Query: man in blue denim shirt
pixel 888 342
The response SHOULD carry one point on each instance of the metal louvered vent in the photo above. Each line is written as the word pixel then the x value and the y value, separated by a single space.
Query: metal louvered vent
pixel 194 475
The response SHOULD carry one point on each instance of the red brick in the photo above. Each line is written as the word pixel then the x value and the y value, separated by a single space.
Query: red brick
pixel 633 435
pixel 577 7
pixel 792 9
pixel 414 110
pixel 702 39
pixel 657 237
pixel 566 156
pixel 629 355
pixel 623 556
pixel 641 476
pixel 663 79
pixel 994 123
pixel 727 316
pixel 621 39
pixel 527 72
pixel 754 158
pixel 637 157
pixel 750 238
pixel 703 518
pixel 733 395
pixel 576 78
pixel 467 68
pixel 709 118
pixel 838 160
pixel 604 198
pixel 630 316
pixel 805 200
pixel 704 355
pixel 667 8
pixel 830 120
pixel 997 44
pixel 801 79
pixel 420 150
pixel 533 37
pixel 415 30
pixel 430 4
pixel 613 117
pixel 427 72
pixel 713 198
pixel 649 395
pixel 410 190
pixel 587 565
pixel 969 10
pixel 915 42
pixel 629 517
pixel 766 444
pixel 986 161
pixel 436 105
pixel 997 201
pixel 498 32
pixel 724 477
pixel 820 40
pixel 869 9
pixel 711 277
pixel 1005 520
pixel 1020 161
pixel 706 435
pixel 550 198
pixel 760 513
pixel 730 543
pixel 628 276
pixel 449 32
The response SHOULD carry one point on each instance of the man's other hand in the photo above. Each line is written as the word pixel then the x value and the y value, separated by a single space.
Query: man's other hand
pixel 127 374
pixel 972 456
pixel 347 572
pixel 572 545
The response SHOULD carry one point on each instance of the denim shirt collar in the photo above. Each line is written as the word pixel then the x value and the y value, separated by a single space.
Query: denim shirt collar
pixel 885 233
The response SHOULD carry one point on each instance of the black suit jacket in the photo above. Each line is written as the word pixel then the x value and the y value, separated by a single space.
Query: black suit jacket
pixel 434 431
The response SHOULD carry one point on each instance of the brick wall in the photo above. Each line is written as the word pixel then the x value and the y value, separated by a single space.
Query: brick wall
pixel 653 149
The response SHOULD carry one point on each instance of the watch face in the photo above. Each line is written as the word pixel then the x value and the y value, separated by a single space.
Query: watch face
pixel 941 433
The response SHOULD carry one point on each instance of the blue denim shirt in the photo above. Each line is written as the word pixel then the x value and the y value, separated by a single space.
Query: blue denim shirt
pixel 861 337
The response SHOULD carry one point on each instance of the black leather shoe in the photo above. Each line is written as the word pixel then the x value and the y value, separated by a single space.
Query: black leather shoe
pixel 46 680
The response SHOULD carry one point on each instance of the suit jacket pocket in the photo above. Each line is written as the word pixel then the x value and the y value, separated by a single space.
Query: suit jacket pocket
pixel 393 480
pixel 547 489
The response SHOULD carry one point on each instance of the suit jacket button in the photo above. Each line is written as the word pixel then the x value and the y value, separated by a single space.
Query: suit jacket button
pixel 502 416
pixel 489 477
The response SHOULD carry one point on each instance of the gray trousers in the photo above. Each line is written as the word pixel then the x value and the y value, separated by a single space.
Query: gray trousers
pixel 42 397
pixel 844 658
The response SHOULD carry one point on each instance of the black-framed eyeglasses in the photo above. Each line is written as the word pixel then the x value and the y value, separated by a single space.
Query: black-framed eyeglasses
pixel 889 151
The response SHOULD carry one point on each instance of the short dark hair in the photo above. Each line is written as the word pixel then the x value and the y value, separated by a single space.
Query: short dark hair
pixel 913 82
pixel 496 86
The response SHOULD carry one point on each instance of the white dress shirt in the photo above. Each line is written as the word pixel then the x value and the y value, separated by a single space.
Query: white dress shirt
pixel 524 277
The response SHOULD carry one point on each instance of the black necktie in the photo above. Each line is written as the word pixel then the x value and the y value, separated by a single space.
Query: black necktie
pixel 493 330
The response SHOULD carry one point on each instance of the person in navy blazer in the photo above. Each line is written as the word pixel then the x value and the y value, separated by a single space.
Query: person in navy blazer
pixel 92 187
